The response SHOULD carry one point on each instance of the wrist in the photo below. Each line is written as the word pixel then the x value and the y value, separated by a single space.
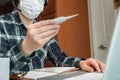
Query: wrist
pixel 78 63
pixel 81 62
pixel 25 49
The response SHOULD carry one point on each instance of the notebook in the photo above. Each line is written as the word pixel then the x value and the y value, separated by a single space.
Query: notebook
pixel 112 71
pixel 45 72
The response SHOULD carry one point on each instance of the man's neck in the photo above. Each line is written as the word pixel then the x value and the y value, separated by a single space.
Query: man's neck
pixel 25 20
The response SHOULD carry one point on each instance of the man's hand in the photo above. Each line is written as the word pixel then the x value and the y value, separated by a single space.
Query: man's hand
pixel 92 65
pixel 38 34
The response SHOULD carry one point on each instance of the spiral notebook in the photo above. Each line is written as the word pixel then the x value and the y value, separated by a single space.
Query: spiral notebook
pixel 45 72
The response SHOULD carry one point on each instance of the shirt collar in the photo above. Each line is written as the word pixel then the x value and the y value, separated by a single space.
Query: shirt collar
pixel 16 17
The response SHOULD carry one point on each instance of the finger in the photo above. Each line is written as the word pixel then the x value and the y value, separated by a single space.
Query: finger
pixel 47 34
pixel 102 66
pixel 95 65
pixel 49 37
pixel 43 23
pixel 88 68
pixel 47 28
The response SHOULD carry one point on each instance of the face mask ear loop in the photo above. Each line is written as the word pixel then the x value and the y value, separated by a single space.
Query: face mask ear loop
pixel 46 3
pixel 15 6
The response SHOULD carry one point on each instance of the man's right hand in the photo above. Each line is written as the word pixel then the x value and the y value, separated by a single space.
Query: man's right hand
pixel 38 34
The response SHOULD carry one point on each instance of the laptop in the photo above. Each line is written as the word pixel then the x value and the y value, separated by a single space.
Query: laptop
pixel 4 68
pixel 112 70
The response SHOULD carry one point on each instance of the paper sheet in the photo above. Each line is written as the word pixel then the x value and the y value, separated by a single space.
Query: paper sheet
pixel 40 73
pixel 36 75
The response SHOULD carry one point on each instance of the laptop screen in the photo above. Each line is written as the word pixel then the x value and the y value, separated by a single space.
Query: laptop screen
pixel 112 71
pixel 4 68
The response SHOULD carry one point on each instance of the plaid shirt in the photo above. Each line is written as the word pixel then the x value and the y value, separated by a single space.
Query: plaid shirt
pixel 13 32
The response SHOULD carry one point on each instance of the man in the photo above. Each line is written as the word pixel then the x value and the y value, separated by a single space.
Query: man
pixel 28 43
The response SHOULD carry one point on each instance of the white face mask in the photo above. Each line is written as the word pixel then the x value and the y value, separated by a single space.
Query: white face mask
pixel 31 8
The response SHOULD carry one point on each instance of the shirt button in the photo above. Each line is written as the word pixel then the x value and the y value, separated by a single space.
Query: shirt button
pixel 25 62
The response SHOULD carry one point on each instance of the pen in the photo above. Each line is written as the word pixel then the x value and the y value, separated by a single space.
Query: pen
pixel 62 19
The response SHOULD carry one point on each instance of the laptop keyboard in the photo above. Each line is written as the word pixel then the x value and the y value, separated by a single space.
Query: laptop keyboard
pixel 87 76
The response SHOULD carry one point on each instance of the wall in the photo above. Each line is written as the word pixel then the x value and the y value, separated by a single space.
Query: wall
pixel 74 36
